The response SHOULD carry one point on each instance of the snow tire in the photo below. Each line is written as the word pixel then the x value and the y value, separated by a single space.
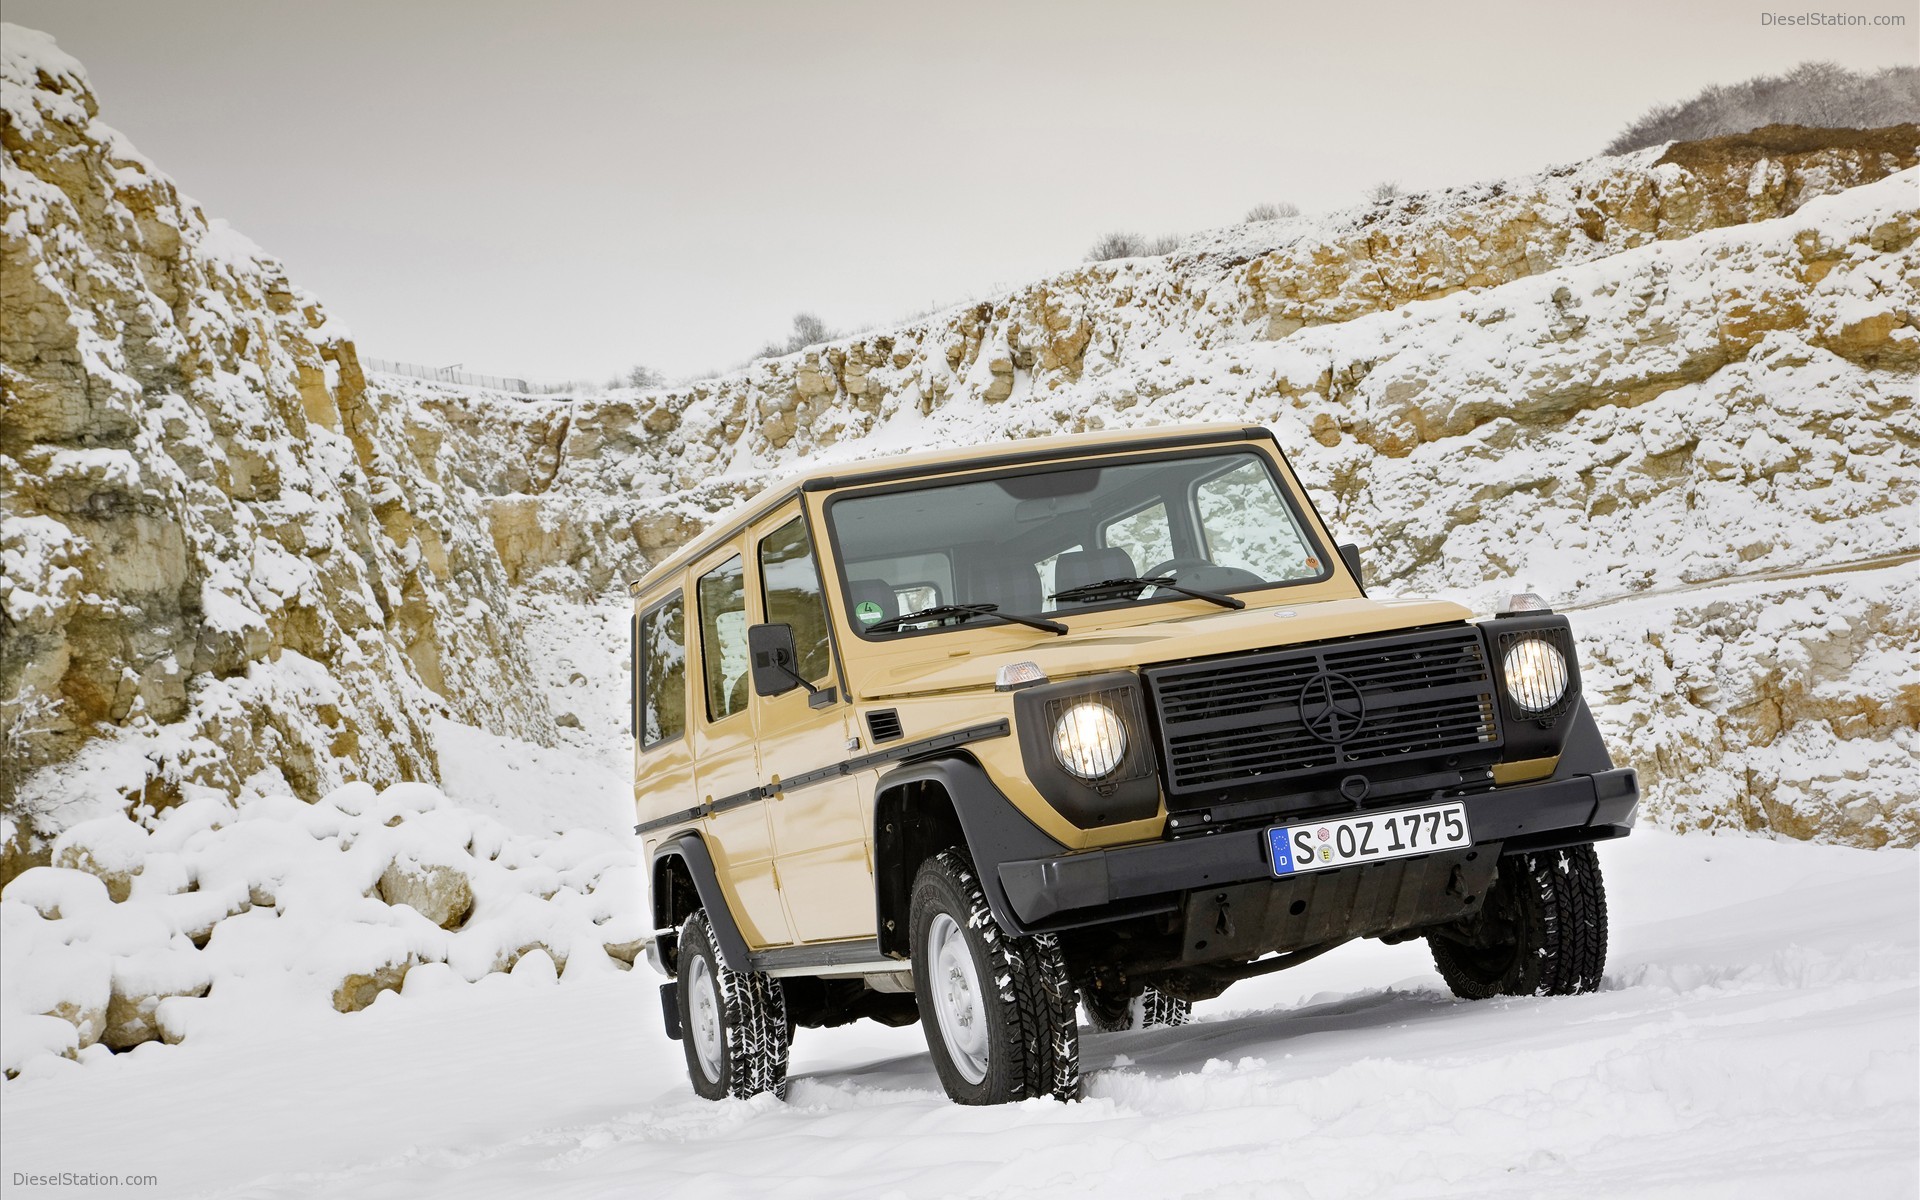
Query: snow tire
pixel 1151 1009
pixel 733 1024
pixel 1024 998
pixel 1541 932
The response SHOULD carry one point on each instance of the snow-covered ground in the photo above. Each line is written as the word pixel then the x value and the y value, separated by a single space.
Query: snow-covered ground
pixel 1756 1036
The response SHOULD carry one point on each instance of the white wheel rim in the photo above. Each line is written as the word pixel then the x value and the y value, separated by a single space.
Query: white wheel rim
pixel 703 1013
pixel 958 1004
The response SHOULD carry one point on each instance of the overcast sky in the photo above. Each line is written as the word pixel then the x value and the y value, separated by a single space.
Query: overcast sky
pixel 564 189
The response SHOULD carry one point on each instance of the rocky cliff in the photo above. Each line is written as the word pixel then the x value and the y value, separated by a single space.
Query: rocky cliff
pixel 233 561
pixel 1664 374
pixel 226 564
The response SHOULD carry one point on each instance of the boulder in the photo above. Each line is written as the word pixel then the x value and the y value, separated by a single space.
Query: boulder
pixel 140 982
pixel 439 892
pixel 362 988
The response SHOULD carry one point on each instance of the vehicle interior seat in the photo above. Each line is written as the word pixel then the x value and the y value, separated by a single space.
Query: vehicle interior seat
pixel 1077 568
pixel 1008 582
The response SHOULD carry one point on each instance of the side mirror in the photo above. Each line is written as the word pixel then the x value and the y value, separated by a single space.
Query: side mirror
pixel 775 666
pixel 1350 555
pixel 775 662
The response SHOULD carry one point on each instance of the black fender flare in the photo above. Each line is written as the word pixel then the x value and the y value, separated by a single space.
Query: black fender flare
pixel 691 849
pixel 995 832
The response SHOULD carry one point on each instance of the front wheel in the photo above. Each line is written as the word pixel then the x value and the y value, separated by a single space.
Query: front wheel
pixel 1542 930
pixel 997 1010
pixel 733 1024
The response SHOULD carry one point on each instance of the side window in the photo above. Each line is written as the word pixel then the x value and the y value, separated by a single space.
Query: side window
pixel 663 673
pixel 1146 536
pixel 791 588
pixel 723 638
pixel 1248 526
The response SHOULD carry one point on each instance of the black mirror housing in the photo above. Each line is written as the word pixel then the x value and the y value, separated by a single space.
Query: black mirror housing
pixel 775 662
pixel 1350 555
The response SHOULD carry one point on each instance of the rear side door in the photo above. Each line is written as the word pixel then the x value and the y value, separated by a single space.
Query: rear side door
pixel 662 762
pixel 726 756
pixel 821 819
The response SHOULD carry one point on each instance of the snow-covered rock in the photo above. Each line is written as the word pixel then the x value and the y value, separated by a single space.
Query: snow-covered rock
pixel 277 903
pixel 1689 388
pixel 437 891
pixel 223 566
pixel 235 564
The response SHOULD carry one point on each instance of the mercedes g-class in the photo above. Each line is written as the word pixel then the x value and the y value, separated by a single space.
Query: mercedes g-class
pixel 983 737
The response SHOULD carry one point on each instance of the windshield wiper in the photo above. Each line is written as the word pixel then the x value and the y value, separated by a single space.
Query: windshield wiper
pixel 941 612
pixel 1110 589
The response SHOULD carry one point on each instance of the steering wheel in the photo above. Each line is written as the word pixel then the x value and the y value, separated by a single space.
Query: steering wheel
pixel 1175 565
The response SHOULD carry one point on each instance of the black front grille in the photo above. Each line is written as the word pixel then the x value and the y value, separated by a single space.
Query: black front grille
pixel 1394 704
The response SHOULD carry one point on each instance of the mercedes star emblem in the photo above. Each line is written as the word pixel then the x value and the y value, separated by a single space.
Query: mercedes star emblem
pixel 1332 708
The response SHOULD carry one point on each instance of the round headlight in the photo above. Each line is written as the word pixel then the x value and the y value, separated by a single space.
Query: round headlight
pixel 1536 674
pixel 1089 739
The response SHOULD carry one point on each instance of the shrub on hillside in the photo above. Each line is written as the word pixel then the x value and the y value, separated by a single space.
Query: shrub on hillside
pixel 1131 245
pixel 808 330
pixel 1821 94
pixel 1272 212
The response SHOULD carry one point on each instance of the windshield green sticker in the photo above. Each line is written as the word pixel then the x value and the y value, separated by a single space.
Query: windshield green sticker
pixel 868 612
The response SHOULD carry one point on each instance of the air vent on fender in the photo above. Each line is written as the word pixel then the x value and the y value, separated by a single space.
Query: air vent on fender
pixel 883 725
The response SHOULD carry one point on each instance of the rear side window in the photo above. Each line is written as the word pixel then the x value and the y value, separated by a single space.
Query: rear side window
pixel 662 669
pixel 723 638
pixel 791 589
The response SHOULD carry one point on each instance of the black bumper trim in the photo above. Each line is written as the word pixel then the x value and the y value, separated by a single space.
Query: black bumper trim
pixel 1557 812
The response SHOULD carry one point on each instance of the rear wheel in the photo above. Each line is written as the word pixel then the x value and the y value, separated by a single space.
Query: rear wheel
pixel 1541 932
pixel 998 1011
pixel 1152 1008
pixel 733 1024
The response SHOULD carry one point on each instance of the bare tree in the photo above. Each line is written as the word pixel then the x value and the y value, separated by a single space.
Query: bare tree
pixel 640 376
pixel 1272 212
pixel 1166 244
pixel 1819 94
pixel 808 330
pixel 1117 245
pixel 1383 191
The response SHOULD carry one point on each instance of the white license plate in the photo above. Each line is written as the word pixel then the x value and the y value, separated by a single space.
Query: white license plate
pixel 1344 841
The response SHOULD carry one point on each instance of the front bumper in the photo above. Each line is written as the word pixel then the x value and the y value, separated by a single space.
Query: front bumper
pixel 1071 889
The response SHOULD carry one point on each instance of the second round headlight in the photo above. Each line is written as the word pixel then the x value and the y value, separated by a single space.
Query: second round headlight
pixel 1090 739
pixel 1536 674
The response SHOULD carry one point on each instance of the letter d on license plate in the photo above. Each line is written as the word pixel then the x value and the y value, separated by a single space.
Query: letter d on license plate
pixel 1344 841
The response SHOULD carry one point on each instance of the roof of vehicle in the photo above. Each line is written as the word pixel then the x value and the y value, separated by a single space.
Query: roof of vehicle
pixel 936 462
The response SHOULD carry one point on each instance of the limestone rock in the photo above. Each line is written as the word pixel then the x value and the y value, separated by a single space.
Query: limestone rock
pixel 440 893
pixel 361 989
pixel 200 490
pixel 140 982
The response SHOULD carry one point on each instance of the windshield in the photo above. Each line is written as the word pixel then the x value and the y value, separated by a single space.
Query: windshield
pixel 1038 541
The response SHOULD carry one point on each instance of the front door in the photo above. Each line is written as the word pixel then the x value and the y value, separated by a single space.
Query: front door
pixel 820 829
pixel 726 755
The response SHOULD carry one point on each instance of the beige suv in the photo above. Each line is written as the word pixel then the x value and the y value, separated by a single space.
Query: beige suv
pixel 982 737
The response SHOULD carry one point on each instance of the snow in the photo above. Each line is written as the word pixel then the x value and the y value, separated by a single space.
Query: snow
pixel 1755 1036
pixel 231 914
